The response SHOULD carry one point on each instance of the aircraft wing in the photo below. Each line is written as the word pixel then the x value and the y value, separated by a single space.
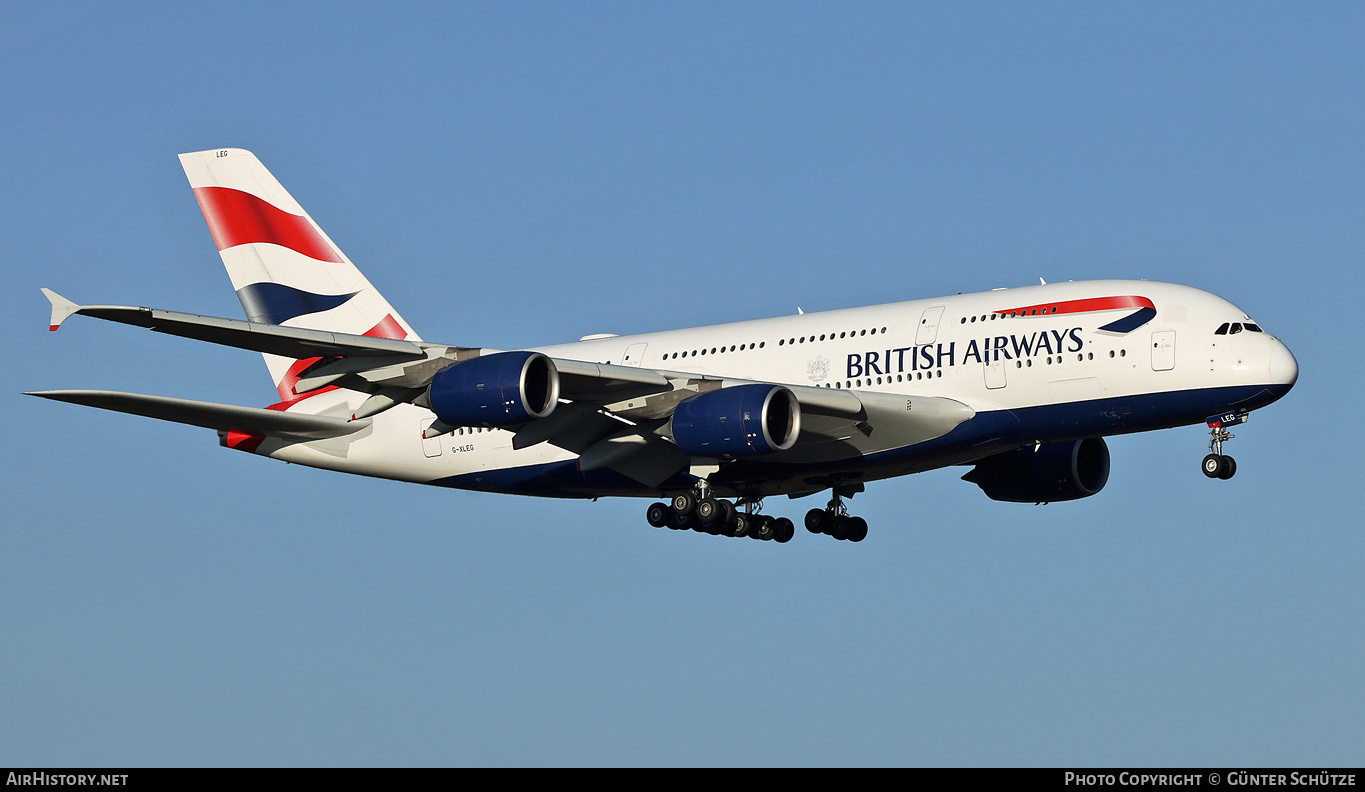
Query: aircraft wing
pixel 294 342
pixel 611 416
pixel 211 415
pixel 370 363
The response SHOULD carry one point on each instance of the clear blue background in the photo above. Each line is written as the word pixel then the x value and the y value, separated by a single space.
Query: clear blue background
pixel 512 174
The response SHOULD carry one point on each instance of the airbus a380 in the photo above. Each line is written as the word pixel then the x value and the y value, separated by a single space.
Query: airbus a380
pixel 1020 384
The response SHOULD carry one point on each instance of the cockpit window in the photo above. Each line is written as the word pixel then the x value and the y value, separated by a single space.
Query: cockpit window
pixel 1233 328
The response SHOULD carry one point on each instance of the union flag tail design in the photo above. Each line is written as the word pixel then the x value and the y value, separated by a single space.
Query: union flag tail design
pixel 286 270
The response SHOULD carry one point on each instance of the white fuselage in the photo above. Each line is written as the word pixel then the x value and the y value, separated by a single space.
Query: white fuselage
pixel 1054 374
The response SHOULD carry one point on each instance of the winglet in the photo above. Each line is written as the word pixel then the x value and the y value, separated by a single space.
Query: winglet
pixel 61 308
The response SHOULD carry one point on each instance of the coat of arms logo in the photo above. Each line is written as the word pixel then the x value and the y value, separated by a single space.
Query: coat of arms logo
pixel 818 369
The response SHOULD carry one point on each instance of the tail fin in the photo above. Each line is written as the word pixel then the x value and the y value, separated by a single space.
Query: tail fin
pixel 285 269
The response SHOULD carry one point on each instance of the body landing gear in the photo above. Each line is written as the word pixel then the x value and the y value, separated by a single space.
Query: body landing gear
pixel 1216 464
pixel 699 511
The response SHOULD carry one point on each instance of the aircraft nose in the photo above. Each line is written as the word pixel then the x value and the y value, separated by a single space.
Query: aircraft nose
pixel 1284 369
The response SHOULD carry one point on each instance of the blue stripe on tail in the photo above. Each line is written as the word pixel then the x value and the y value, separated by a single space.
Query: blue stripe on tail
pixel 275 303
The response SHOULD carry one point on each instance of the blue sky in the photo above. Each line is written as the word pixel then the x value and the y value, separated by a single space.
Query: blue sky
pixel 513 174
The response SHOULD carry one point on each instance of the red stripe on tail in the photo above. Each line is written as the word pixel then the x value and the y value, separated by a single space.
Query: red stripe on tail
pixel 388 327
pixel 240 218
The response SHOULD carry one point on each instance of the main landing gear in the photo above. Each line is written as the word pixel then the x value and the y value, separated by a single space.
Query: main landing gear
pixel 719 517
pixel 835 521
pixel 699 511
pixel 1216 464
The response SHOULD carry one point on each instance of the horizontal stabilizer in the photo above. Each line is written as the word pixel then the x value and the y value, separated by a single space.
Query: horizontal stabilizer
pixel 293 342
pixel 211 415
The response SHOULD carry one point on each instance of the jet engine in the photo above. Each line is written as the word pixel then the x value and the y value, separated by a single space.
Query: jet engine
pixel 745 420
pixel 501 389
pixel 1060 471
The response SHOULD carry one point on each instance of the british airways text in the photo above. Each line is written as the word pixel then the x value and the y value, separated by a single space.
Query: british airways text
pixel 985 350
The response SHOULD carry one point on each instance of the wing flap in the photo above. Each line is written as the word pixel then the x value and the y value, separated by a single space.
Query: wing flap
pixel 210 415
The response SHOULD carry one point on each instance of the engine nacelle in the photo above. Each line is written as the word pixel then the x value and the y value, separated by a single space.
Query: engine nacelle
pixel 742 421
pixel 1061 471
pixel 501 389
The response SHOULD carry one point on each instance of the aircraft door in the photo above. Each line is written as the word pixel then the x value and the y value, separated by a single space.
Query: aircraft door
pixel 928 325
pixel 1163 350
pixel 431 446
pixel 995 373
pixel 634 354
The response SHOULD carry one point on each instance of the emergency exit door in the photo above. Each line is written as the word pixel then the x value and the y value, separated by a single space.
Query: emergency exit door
pixel 1163 350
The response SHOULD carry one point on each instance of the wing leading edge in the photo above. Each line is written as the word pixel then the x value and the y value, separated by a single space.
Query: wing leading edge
pixel 294 342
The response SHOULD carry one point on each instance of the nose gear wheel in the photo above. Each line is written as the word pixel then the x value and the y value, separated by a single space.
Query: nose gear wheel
pixel 1217 464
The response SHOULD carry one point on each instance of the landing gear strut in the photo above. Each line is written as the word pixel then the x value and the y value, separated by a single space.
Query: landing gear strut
pixel 1216 464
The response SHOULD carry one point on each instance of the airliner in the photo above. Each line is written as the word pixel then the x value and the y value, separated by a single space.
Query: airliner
pixel 1019 385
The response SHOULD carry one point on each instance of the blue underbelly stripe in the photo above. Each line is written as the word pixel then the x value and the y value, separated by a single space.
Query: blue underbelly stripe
pixel 992 432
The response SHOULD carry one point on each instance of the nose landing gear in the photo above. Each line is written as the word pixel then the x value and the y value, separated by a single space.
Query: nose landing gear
pixel 1217 464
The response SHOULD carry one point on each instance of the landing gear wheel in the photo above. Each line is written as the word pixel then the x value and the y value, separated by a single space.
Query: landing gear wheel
pixel 783 530
pixel 857 529
pixel 838 527
pixel 725 518
pixel 657 514
pixel 707 511
pixel 817 520
pixel 744 523
pixel 1213 465
pixel 765 529
pixel 684 503
pixel 1228 469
